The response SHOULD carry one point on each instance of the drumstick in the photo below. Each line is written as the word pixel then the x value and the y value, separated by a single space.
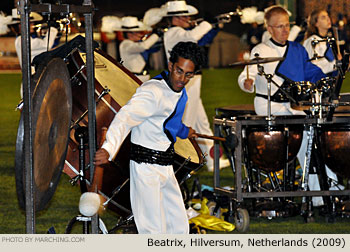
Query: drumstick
pixel 246 57
pixel 211 137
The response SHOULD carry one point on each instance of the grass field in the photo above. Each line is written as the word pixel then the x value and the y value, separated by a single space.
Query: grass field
pixel 219 89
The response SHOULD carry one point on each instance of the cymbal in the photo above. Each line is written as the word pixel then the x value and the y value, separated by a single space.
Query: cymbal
pixel 257 60
pixel 51 116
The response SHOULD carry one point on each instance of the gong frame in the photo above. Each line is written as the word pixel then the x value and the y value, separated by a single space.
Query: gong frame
pixel 25 8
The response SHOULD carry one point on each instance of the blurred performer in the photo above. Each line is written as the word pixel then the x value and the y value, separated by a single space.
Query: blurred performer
pixel 322 56
pixel 295 67
pixel 180 17
pixel 135 48
pixel 320 53
pixel 153 115
pixel 38 44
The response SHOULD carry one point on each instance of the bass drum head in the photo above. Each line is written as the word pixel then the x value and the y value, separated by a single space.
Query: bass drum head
pixel 51 117
pixel 335 147
pixel 267 148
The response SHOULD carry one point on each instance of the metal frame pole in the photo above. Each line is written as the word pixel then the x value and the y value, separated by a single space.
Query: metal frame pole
pixel 90 70
pixel 24 10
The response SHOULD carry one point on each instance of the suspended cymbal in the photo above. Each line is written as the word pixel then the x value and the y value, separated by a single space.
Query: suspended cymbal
pixel 257 60
pixel 51 117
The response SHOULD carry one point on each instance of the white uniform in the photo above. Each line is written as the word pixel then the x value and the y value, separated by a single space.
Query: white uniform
pixel 130 53
pixel 327 66
pixel 195 115
pixel 37 46
pixel 271 49
pixel 264 50
pixel 156 199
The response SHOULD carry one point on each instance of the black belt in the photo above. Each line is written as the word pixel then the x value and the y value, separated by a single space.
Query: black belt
pixel 141 154
pixel 280 97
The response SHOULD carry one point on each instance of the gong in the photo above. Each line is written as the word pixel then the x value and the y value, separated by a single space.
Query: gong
pixel 51 117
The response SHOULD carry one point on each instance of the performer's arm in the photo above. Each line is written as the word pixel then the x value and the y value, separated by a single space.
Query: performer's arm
pixel 141 106
pixel 139 47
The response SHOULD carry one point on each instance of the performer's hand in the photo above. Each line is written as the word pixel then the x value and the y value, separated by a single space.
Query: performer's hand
pixel 101 157
pixel 192 133
pixel 339 56
pixel 248 84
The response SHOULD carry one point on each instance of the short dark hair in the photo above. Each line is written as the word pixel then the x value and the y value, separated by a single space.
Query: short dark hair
pixel 273 10
pixel 188 50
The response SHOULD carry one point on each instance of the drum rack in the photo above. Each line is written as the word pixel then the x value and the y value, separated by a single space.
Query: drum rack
pixel 25 8
pixel 237 124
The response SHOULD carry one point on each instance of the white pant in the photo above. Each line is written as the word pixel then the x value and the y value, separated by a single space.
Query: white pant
pixel 195 115
pixel 156 200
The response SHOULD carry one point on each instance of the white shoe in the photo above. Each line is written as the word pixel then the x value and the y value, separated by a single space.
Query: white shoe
pixel 223 162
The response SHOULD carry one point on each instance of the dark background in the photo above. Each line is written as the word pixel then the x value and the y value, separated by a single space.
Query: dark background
pixel 208 9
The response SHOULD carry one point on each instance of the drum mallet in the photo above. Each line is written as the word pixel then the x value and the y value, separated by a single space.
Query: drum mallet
pixel 211 137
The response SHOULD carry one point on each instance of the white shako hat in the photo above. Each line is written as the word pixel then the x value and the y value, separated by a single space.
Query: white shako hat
pixel 33 17
pixel 179 8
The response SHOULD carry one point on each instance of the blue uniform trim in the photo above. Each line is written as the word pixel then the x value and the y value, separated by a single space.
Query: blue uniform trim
pixel 173 125
pixel 304 70
pixel 329 54
pixel 208 37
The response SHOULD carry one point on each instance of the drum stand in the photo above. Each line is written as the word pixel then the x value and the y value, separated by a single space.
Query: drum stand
pixel 81 136
pixel 270 81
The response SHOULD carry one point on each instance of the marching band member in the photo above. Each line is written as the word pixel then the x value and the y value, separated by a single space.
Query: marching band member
pixel 154 117
pixel 320 52
pixel 38 44
pixel 295 67
pixel 180 17
pixel 323 57
pixel 134 49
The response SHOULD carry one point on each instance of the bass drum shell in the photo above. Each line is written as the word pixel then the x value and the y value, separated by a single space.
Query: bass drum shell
pixel 267 148
pixel 335 147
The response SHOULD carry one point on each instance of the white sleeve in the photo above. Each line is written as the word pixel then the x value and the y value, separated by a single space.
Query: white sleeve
pixel 143 104
pixel 325 65
pixel 39 45
pixel 199 31
pixel 139 47
pixel 294 31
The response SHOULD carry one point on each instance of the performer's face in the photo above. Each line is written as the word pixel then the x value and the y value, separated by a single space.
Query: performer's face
pixel 279 27
pixel 323 21
pixel 182 21
pixel 180 73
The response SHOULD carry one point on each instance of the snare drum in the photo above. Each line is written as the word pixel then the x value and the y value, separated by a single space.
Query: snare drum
pixel 267 146
pixel 302 91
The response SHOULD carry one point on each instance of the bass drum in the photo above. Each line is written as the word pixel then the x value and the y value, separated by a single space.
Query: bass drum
pixel 335 147
pixel 267 147
pixel 121 85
